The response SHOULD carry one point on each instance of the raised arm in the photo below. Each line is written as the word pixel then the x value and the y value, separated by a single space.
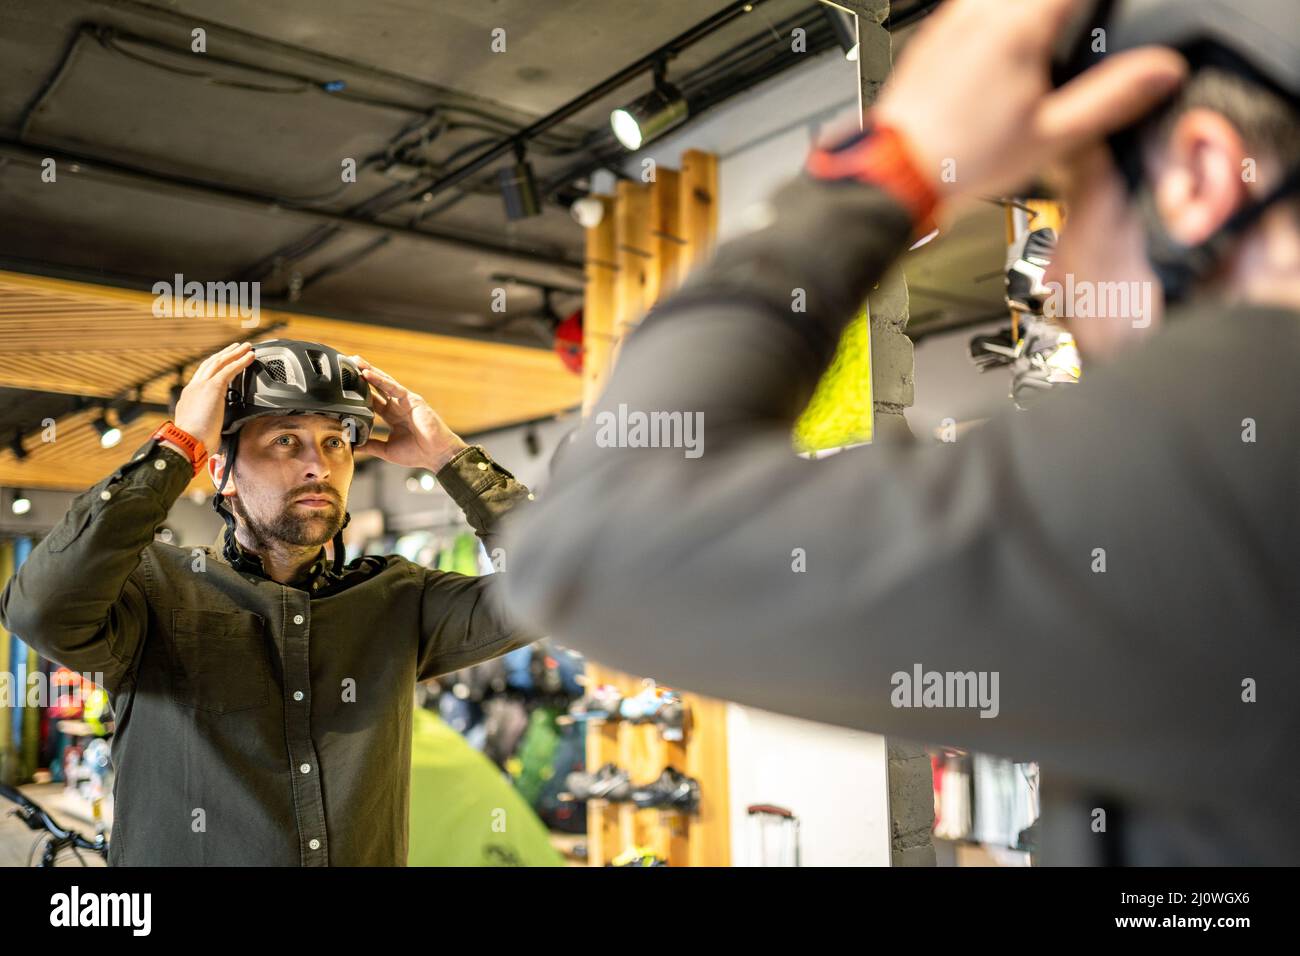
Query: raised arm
pixel 463 617
pixel 80 598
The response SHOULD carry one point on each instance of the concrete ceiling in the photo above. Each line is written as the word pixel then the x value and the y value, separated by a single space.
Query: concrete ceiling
pixel 117 81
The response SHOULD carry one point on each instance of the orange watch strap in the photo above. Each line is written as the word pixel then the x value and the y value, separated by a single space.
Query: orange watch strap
pixel 879 155
pixel 198 454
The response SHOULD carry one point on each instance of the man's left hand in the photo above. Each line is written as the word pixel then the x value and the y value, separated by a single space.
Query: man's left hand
pixel 419 437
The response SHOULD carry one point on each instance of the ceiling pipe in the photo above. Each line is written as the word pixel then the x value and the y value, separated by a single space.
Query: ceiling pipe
pixel 113 172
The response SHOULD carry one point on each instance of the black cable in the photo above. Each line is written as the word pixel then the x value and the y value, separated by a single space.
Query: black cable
pixel 110 38
pixel 443 206
pixel 506 126
pixel 302 85
pixel 343 262
pixel 50 83
pixel 534 146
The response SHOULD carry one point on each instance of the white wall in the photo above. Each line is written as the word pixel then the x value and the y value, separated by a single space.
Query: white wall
pixel 831 778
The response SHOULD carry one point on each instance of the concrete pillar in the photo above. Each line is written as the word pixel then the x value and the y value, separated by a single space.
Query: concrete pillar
pixel 911 787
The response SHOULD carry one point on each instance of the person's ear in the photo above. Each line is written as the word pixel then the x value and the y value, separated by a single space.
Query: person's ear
pixel 1200 175
pixel 216 466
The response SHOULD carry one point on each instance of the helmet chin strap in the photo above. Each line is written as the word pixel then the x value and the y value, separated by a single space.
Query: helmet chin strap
pixel 229 445
pixel 339 550
pixel 1180 268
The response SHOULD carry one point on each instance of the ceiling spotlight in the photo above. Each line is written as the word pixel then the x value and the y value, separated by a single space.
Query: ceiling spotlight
pixel 21 503
pixel 845 25
pixel 587 212
pixel 108 435
pixel 651 115
pixel 519 189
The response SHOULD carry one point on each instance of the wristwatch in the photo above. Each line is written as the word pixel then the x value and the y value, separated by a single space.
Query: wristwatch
pixel 880 156
pixel 198 454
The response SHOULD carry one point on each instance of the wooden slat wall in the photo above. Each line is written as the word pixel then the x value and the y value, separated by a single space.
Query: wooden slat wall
pixel 77 338
pixel 598 306
pixel 698 190
pixel 651 235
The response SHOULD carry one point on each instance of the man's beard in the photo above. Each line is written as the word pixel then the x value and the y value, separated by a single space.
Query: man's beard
pixel 288 526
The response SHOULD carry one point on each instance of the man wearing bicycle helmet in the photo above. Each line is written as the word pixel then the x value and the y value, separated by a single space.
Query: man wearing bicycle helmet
pixel 1121 557
pixel 283 392
pixel 263 695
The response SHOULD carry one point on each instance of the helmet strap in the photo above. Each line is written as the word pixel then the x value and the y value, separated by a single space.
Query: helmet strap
pixel 339 550
pixel 229 445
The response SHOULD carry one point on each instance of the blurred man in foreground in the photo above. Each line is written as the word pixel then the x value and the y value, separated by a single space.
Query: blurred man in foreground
pixel 1121 558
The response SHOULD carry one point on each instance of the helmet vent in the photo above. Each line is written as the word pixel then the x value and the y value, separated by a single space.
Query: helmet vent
pixel 319 363
pixel 348 377
pixel 275 369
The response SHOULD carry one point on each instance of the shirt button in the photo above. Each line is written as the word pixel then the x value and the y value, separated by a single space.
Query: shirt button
pixel 297 619
pixel 105 495
pixel 482 466
pixel 159 464
pixel 305 768
pixel 314 844
pixel 297 695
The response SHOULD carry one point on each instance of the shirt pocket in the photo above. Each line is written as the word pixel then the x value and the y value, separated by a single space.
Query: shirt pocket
pixel 219 660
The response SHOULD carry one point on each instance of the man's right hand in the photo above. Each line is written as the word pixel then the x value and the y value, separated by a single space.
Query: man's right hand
pixel 972 94
pixel 201 408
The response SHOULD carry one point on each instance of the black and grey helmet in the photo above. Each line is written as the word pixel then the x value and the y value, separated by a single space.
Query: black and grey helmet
pixel 290 377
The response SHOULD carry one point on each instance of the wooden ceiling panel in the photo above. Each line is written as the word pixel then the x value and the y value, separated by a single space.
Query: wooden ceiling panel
pixel 81 339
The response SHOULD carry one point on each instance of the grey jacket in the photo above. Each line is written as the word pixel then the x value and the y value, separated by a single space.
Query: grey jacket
pixel 1126 684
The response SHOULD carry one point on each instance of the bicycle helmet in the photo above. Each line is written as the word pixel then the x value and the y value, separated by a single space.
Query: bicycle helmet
pixel 1257 39
pixel 291 377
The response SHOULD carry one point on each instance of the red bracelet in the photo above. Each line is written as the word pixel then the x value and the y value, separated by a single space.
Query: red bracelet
pixel 879 155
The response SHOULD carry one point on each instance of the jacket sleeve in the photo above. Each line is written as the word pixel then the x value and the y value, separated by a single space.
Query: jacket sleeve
pixel 80 598
pixel 977 556
pixel 463 618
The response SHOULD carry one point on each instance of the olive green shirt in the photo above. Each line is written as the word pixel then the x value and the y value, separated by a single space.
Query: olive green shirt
pixel 257 723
